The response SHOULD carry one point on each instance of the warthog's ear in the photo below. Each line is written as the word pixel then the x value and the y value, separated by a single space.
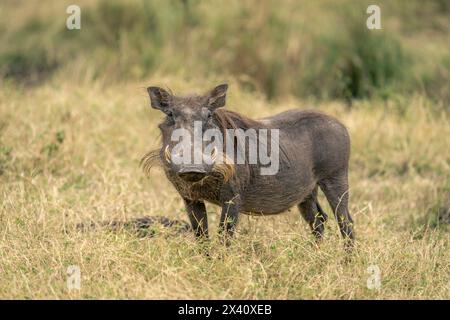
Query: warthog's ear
pixel 217 97
pixel 159 98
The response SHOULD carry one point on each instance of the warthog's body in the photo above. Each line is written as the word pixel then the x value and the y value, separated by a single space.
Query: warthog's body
pixel 315 146
pixel 314 152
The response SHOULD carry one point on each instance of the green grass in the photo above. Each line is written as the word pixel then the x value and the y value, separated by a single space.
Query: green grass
pixel 310 49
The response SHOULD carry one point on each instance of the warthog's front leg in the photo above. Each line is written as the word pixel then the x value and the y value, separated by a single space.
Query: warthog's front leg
pixel 197 215
pixel 229 219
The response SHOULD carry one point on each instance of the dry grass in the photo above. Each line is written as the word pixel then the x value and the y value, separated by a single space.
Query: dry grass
pixel 75 156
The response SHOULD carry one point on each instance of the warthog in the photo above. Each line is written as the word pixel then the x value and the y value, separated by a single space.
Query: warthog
pixel 314 151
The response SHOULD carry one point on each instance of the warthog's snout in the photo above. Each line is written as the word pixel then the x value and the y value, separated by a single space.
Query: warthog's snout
pixel 192 173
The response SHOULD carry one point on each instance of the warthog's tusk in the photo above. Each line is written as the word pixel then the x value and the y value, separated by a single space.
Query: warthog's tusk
pixel 214 154
pixel 167 154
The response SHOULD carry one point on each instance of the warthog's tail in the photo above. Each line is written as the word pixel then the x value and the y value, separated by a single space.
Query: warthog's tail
pixel 146 226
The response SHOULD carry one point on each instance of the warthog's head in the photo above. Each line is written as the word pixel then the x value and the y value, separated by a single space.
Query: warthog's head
pixel 185 150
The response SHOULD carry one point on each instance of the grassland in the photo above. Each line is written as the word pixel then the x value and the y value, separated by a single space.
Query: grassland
pixel 71 154
pixel 75 121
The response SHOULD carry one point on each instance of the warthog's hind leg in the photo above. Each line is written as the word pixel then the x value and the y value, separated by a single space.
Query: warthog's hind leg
pixel 336 191
pixel 312 212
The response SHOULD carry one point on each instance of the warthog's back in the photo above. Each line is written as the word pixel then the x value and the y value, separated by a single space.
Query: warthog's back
pixel 313 146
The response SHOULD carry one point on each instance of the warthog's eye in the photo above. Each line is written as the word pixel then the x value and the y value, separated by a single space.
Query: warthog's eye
pixel 169 118
pixel 207 114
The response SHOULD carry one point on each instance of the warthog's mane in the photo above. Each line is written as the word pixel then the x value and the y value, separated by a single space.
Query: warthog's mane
pixel 226 119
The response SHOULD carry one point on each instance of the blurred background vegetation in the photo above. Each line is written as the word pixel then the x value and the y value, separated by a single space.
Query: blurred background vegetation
pixel 75 121
pixel 307 49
